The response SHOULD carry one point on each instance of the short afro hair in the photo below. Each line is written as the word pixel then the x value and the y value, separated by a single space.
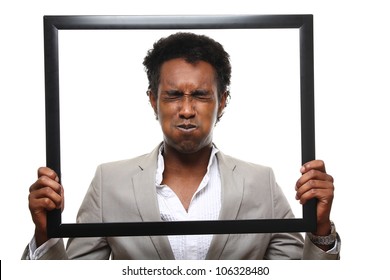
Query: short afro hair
pixel 192 48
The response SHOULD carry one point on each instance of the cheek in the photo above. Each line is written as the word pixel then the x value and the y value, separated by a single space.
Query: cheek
pixel 166 116
pixel 211 112
pixel 166 110
pixel 208 119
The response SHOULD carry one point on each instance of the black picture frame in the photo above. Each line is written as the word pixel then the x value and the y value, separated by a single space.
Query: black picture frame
pixel 52 101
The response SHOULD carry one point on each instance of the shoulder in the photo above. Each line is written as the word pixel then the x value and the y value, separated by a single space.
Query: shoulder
pixel 127 164
pixel 246 168
pixel 130 166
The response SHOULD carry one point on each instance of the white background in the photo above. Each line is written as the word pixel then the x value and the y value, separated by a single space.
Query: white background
pixel 351 83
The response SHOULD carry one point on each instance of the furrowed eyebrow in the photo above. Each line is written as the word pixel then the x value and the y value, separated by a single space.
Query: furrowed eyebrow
pixel 198 93
pixel 201 91
pixel 173 91
pixel 194 92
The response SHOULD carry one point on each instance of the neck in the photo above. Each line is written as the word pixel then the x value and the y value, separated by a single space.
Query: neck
pixel 186 161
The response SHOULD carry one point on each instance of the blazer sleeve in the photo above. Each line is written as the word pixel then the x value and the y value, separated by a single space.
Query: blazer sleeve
pixel 95 248
pixel 54 251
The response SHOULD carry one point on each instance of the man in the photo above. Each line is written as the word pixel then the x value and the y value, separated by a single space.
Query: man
pixel 186 177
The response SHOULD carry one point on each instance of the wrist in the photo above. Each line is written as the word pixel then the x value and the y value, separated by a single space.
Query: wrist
pixel 323 229
pixel 40 237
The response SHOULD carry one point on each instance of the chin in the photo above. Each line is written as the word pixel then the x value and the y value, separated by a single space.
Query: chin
pixel 188 148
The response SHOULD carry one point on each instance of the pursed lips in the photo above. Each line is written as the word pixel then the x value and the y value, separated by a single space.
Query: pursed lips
pixel 186 127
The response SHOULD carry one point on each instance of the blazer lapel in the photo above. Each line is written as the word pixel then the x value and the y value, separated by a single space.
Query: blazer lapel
pixel 232 194
pixel 146 198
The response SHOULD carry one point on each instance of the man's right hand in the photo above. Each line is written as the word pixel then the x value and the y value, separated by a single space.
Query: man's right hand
pixel 46 194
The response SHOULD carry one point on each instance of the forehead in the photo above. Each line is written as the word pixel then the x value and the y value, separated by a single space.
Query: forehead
pixel 178 71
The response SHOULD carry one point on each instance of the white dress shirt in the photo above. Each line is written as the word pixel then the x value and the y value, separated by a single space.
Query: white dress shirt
pixel 205 205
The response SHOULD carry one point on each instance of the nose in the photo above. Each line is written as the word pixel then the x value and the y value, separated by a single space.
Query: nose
pixel 187 107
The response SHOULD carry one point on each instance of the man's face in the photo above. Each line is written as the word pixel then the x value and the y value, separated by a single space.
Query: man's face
pixel 187 104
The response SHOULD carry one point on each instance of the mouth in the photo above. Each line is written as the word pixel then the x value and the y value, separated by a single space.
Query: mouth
pixel 186 127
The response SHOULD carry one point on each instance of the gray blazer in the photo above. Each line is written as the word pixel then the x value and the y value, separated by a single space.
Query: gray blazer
pixel 125 191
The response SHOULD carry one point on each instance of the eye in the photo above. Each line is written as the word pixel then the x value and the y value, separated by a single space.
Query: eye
pixel 172 94
pixel 202 95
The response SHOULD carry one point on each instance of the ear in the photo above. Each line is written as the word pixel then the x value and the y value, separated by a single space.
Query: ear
pixel 153 101
pixel 222 104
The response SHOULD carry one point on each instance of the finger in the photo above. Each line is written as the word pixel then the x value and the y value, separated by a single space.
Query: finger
pixel 63 199
pixel 46 171
pixel 40 205
pixel 45 181
pixel 314 164
pixel 46 198
pixel 312 188
pixel 313 174
pixel 324 197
